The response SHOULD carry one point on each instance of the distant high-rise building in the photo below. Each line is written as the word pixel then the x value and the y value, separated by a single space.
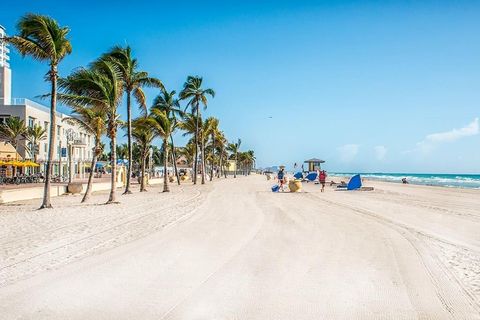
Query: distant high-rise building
pixel 4 51
pixel 5 72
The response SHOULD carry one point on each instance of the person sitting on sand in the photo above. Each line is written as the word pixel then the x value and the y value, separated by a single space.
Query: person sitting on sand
pixel 321 178
pixel 281 178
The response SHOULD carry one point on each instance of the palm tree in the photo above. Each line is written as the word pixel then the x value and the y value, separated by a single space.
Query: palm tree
pixel 221 143
pixel 34 135
pixel 143 136
pixel 188 152
pixel 99 86
pixel 133 80
pixel 192 89
pixel 156 156
pixel 213 131
pixel 249 160
pixel 42 38
pixel 164 127
pixel 12 130
pixel 122 151
pixel 94 121
pixel 189 127
pixel 167 102
pixel 234 148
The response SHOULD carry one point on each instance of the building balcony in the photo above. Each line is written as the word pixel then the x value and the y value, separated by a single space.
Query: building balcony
pixel 79 143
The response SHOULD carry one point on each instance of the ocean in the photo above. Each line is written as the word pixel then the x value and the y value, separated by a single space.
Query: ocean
pixel 469 181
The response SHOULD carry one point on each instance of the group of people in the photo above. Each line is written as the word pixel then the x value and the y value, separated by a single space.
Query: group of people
pixel 282 178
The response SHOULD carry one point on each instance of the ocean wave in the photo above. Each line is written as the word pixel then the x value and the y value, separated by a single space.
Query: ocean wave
pixel 469 181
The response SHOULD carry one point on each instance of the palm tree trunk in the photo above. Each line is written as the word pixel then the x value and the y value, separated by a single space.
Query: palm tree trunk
pixel 236 164
pixel 213 157
pixel 174 161
pixel 129 134
pixel 204 169
pixel 172 158
pixel 223 166
pixel 165 166
pixel 35 160
pixel 51 143
pixel 113 164
pixel 142 164
pixel 196 148
pixel 86 196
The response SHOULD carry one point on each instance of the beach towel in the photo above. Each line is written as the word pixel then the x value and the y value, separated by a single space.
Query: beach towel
pixel 275 188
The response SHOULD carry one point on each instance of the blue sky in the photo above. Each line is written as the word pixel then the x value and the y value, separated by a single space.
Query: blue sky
pixel 378 86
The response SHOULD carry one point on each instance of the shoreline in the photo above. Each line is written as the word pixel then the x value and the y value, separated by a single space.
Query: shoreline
pixel 346 178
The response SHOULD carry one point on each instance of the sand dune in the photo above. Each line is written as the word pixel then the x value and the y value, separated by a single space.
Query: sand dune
pixel 234 250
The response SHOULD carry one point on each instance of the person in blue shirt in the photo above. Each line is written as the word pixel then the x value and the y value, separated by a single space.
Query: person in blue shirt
pixel 281 178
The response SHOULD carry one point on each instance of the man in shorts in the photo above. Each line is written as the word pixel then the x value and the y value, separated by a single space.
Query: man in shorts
pixel 322 178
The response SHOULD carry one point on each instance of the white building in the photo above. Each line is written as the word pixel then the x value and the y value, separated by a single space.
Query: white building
pixel 33 113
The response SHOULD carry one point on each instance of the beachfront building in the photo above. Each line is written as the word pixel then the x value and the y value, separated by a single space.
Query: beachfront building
pixel 69 137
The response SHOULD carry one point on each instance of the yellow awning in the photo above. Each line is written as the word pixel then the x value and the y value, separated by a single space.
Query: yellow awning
pixel 30 163
pixel 16 163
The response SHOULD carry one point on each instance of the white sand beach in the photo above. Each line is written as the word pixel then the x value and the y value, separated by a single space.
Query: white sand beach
pixel 234 250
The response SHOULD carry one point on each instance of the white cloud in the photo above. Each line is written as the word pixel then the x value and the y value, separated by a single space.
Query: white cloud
pixel 348 152
pixel 434 139
pixel 454 134
pixel 380 152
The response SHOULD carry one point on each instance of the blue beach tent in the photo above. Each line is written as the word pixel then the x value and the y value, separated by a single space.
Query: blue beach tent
pixel 354 183
pixel 298 175
pixel 311 176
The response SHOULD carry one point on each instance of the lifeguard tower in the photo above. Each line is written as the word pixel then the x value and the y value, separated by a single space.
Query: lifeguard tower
pixel 314 164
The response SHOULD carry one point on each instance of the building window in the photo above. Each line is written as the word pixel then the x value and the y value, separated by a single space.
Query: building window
pixel 30 148
pixel 31 122
pixel 58 130
pixel 2 119
pixel 45 125
pixel 45 148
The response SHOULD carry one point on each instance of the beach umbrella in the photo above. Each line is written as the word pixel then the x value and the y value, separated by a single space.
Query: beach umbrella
pixel 30 163
pixel 17 163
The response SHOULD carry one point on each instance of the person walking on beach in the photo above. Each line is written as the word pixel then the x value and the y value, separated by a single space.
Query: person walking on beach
pixel 322 178
pixel 281 178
